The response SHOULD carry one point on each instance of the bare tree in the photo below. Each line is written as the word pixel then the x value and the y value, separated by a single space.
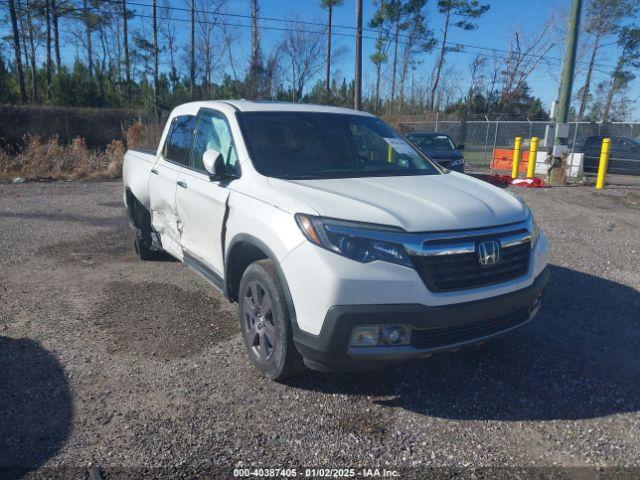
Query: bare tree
pixel 254 78
pixel 255 34
pixel 304 50
pixel 380 21
pixel 329 5
pixel 55 20
pixel 603 19
pixel 16 50
pixel 457 13
pixel 208 45
pixel 629 41
pixel 419 40
pixel 86 15
pixel 450 89
pixel 526 54
pixel 476 71
pixel 47 14
pixel 228 41
pixel 167 31
pixel 32 50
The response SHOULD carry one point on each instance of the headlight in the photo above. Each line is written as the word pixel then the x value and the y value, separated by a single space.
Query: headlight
pixel 455 163
pixel 531 223
pixel 349 240
pixel 533 228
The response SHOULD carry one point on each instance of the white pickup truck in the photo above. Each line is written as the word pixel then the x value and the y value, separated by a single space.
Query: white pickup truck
pixel 344 245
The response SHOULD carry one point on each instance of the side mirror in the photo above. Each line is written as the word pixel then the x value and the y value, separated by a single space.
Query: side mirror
pixel 213 164
pixel 460 147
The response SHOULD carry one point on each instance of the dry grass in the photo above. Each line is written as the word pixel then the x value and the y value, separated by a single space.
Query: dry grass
pixel 144 136
pixel 51 159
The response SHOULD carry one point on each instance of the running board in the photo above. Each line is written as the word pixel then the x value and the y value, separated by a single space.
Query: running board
pixel 208 274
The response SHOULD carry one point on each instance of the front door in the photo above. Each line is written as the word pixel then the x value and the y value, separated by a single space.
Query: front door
pixel 201 203
pixel 173 160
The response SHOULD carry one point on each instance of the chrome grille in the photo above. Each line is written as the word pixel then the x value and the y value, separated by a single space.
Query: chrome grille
pixel 453 264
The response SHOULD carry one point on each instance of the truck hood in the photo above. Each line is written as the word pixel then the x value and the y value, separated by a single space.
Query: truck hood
pixel 451 201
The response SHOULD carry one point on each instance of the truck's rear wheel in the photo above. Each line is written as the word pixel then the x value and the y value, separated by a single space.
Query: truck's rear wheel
pixel 265 323
pixel 140 221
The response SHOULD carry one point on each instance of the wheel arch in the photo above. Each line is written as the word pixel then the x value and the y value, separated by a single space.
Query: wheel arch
pixel 243 250
pixel 140 221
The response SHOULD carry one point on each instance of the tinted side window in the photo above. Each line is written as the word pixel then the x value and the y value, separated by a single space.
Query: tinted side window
pixel 178 143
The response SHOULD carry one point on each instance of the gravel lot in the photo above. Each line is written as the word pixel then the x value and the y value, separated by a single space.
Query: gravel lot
pixel 120 365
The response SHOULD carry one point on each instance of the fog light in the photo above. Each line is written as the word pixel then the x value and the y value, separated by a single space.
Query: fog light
pixel 394 335
pixel 365 336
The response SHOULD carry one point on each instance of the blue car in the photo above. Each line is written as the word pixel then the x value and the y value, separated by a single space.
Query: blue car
pixel 440 148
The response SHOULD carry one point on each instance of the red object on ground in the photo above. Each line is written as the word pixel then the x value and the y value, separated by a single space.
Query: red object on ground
pixel 498 180
pixel 528 182
pixel 503 160
pixel 506 180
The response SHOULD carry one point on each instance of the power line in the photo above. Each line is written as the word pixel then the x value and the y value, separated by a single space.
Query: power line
pixel 461 47
pixel 348 27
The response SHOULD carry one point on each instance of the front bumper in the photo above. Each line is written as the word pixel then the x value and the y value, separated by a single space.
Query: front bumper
pixel 433 328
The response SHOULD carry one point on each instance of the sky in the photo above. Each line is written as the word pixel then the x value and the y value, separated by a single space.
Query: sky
pixel 494 30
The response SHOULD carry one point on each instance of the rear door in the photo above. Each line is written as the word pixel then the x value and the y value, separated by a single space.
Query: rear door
pixel 172 161
pixel 201 202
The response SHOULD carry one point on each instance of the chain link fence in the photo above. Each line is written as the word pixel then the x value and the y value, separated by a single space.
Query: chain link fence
pixel 482 138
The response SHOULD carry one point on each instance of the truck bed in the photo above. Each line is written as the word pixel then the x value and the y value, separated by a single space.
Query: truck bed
pixel 136 170
pixel 147 151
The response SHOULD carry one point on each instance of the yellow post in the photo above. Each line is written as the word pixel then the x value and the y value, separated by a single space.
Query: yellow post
pixel 604 161
pixel 516 157
pixel 533 152
pixel 389 154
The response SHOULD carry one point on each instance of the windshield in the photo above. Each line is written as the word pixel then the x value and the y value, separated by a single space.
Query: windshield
pixel 433 143
pixel 309 145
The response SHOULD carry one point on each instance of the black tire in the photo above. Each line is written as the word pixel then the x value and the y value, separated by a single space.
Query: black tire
pixel 265 323
pixel 140 221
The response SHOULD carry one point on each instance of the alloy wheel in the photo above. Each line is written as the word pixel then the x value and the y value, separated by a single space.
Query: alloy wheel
pixel 259 327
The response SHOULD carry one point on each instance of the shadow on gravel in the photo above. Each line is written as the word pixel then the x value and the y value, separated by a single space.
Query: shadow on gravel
pixel 577 359
pixel 68 217
pixel 36 407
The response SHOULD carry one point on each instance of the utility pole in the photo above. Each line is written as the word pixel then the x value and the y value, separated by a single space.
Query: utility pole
pixel 358 74
pixel 568 70
pixel 156 110
pixel 561 134
pixel 192 52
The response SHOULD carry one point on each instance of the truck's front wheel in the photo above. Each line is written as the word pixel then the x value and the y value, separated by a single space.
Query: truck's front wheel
pixel 265 324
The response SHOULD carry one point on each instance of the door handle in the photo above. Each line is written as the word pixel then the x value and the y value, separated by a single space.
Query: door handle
pixel 181 184
pixel 154 171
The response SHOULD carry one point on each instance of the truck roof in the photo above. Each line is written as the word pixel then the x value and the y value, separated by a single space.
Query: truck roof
pixel 273 106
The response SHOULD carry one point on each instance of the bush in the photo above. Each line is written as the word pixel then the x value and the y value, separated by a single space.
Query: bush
pixel 141 135
pixel 51 159
pixel 97 126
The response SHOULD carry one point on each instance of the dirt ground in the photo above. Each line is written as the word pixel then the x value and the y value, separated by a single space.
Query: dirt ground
pixel 111 367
